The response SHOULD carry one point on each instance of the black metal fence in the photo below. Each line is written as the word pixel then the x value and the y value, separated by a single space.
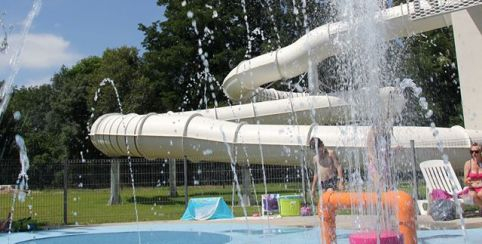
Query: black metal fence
pixel 79 192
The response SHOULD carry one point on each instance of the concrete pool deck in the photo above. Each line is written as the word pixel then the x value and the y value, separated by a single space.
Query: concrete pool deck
pixel 342 221
pixel 269 230
pixel 346 222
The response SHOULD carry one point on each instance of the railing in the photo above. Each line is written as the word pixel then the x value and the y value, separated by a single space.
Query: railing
pixel 80 192
pixel 428 8
pixel 77 192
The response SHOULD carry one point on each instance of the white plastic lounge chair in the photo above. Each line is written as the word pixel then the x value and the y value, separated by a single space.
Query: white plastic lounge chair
pixel 437 175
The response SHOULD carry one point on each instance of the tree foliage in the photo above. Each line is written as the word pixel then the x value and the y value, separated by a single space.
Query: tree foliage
pixel 201 41
pixel 55 117
pixel 432 65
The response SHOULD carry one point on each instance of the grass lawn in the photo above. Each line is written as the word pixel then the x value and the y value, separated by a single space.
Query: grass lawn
pixel 89 206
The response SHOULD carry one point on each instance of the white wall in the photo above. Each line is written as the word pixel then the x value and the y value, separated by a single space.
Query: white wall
pixel 467 25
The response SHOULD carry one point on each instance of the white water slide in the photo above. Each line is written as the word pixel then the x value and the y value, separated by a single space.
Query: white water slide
pixel 278 131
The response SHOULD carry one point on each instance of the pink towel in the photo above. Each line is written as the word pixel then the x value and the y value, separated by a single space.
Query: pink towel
pixel 439 194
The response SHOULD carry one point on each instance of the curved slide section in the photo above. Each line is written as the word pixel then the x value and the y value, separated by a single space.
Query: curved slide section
pixel 326 109
pixel 207 134
pixel 200 138
pixel 317 45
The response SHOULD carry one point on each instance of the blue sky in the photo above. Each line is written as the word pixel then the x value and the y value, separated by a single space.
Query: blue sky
pixel 66 31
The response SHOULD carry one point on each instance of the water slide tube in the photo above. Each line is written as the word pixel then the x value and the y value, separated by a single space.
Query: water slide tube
pixel 316 46
pixel 328 109
pixel 201 138
pixel 221 135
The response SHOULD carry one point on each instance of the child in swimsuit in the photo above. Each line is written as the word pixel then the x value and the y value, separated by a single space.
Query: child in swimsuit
pixel 328 170
pixel 473 174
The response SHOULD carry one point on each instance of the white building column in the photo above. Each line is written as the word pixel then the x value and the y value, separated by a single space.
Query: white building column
pixel 467 25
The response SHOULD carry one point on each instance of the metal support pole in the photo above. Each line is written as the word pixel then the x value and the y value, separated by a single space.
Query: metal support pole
pixel 186 198
pixel 414 170
pixel 303 182
pixel 245 192
pixel 172 178
pixel 115 187
pixel 233 190
pixel 66 179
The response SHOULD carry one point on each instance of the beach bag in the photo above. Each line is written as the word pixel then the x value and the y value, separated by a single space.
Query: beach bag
pixel 442 210
pixel 306 211
pixel 464 194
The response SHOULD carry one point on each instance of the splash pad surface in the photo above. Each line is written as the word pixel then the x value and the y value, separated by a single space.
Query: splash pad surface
pixel 211 232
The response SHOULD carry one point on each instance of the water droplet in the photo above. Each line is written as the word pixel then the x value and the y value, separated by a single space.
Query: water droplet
pixel 17 115
pixel 190 14
pixel 429 114
pixel 207 152
pixel 445 158
pixel 21 196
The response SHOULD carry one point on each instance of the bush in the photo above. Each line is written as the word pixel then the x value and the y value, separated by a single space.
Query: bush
pixel 25 224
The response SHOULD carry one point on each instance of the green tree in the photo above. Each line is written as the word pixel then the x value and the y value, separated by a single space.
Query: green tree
pixel 192 51
pixel 74 101
pixel 31 106
pixel 433 67
pixel 176 51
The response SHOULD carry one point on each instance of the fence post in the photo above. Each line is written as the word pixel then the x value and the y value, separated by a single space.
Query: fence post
pixel 186 197
pixel 233 190
pixel 303 182
pixel 66 179
pixel 245 192
pixel 172 178
pixel 414 170
pixel 115 196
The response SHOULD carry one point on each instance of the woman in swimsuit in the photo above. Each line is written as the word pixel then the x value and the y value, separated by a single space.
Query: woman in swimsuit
pixel 473 174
